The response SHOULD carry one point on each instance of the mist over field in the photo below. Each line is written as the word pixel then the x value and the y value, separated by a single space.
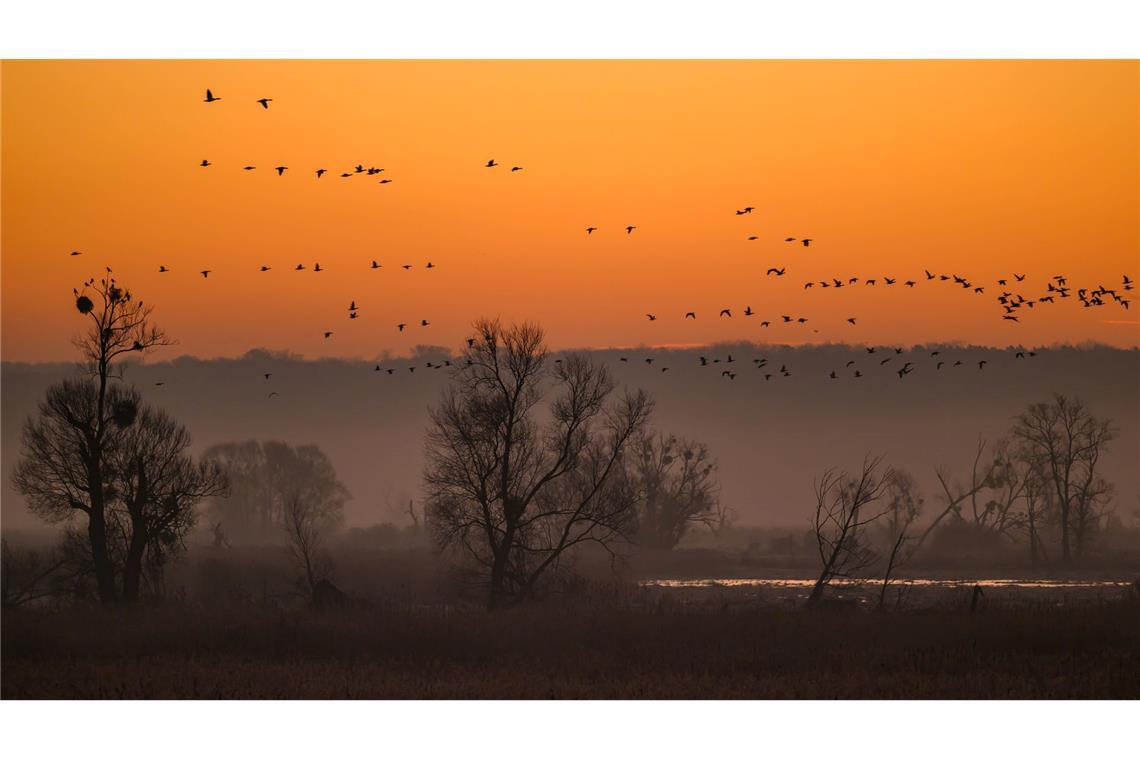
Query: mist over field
pixel 769 437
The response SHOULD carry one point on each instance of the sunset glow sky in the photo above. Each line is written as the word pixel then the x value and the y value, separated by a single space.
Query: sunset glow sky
pixel 976 168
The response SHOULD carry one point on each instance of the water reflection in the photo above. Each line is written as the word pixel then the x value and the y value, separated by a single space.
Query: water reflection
pixel 930 582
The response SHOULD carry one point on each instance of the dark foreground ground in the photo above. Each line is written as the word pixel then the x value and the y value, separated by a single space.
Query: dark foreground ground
pixel 652 650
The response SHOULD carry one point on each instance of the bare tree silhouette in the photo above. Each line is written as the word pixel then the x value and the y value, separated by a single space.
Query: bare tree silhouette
pixel 158 484
pixel 675 480
pixel 64 469
pixel 311 503
pixel 515 492
pixel 904 505
pixel 842 513
pixel 1064 440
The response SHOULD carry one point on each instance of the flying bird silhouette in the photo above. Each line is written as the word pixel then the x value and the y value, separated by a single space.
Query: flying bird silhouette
pixel 265 102
pixel 320 172
pixel 490 163
pixel 210 97
pixel 590 230
pixel 206 272
pixel 629 230
pixel 777 272
pixel 280 170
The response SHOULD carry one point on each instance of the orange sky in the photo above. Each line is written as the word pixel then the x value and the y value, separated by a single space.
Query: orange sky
pixel 977 168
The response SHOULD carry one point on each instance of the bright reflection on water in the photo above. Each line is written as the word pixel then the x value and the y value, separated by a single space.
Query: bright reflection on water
pixel 802 583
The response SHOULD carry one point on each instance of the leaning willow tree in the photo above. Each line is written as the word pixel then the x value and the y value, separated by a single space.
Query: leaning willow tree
pixel 95 454
pixel 524 458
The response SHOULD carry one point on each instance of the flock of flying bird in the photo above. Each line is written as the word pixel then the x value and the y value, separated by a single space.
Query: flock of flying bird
pixel 1010 302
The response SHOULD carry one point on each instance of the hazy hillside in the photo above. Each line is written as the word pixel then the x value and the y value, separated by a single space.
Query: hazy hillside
pixel 771 437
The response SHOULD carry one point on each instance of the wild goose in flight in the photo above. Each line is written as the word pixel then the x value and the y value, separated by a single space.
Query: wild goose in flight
pixel 652 317
pixel 210 97
pixel 516 168
pixel 777 272
pixel 629 229
pixel 265 102
pixel 490 163
pixel 806 242
pixel 590 230
pixel 265 268
pixel 317 267
pixel 206 272
pixel 205 162
pixel 400 327
pixel 328 334
pixel 162 268
pixel 248 168
pixel 280 170
pixel 748 311
pixel 851 320
pixel 374 265
pixel 726 312
pixel 690 315
pixel 320 172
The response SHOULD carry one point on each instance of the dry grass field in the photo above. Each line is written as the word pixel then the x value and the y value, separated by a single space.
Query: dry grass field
pixel 600 650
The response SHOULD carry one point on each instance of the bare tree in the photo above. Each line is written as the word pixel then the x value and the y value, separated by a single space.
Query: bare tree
pixel 513 491
pixel 1064 440
pixel 904 504
pixel 675 479
pixel 62 472
pixel 149 482
pixel 311 504
pixel 981 477
pixel 842 513
pixel 248 509
pixel 157 484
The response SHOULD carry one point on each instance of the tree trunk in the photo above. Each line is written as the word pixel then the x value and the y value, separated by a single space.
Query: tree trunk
pixel 1066 554
pixel 101 562
pixel 133 566
pixel 100 557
